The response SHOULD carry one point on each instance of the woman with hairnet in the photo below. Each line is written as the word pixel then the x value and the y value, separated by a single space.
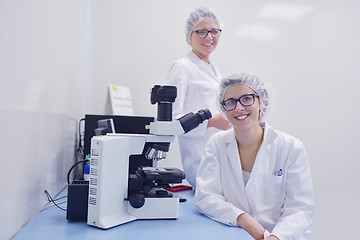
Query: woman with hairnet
pixel 197 80
pixel 253 176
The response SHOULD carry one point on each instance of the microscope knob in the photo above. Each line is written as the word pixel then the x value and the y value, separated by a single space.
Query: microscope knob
pixel 147 188
pixel 137 200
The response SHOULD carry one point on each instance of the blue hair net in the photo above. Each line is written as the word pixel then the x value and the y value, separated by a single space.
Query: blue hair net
pixel 197 16
pixel 252 82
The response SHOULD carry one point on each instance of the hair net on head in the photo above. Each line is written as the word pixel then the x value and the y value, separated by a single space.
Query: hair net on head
pixel 252 82
pixel 197 16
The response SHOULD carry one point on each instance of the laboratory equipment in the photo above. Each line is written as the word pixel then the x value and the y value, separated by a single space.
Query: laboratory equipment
pixel 117 196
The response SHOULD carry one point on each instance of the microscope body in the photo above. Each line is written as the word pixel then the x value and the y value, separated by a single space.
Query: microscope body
pixel 108 187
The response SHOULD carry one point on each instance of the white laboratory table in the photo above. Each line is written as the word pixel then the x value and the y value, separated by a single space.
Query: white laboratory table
pixel 51 224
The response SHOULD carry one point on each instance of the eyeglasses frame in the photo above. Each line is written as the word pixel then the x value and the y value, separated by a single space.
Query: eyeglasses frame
pixel 208 31
pixel 238 100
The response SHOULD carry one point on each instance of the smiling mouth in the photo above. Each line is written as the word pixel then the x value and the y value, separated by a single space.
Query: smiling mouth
pixel 207 44
pixel 242 117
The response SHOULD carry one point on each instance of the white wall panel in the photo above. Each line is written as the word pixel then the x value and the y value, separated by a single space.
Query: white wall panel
pixel 45 74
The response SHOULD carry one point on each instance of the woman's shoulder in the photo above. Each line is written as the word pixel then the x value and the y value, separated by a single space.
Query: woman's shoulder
pixel 223 136
pixel 182 67
pixel 282 138
pixel 184 62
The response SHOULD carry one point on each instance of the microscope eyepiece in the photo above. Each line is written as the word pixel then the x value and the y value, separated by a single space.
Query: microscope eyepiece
pixel 203 114
pixel 192 120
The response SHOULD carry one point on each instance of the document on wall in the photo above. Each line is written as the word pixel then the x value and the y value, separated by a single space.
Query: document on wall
pixel 120 100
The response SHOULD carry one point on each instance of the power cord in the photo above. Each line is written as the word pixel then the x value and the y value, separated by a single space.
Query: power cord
pixel 36 213
pixel 79 152
pixel 72 167
pixel 53 201
pixel 79 155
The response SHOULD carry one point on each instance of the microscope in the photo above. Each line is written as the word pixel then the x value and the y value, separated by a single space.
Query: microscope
pixel 117 196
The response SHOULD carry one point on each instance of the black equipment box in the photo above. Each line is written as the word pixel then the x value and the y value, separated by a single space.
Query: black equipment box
pixel 77 204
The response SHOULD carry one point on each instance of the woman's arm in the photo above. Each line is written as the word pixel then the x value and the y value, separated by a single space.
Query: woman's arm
pixel 251 226
pixel 299 202
pixel 272 237
pixel 219 122
pixel 209 196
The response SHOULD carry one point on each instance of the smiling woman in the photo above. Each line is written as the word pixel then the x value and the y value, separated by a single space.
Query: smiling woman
pixel 203 43
pixel 253 176
pixel 240 114
pixel 197 80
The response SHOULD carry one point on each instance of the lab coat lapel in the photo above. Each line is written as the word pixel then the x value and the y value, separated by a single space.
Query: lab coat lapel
pixel 265 149
pixel 209 69
pixel 262 160
pixel 232 155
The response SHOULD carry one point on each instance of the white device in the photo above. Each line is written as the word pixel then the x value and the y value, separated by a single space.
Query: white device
pixel 111 201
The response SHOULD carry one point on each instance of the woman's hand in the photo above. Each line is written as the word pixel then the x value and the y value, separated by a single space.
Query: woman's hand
pixel 272 237
pixel 251 226
pixel 219 122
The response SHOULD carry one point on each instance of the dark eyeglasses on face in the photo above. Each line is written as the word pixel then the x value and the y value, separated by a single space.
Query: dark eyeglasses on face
pixel 202 33
pixel 245 100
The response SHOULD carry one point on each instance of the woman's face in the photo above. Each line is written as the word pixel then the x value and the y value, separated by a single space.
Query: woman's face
pixel 242 117
pixel 203 47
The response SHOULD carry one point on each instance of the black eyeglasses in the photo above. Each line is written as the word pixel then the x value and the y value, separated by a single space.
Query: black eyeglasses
pixel 245 100
pixel 202 33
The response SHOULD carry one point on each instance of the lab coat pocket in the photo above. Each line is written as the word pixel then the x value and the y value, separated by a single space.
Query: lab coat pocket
pixel 274 190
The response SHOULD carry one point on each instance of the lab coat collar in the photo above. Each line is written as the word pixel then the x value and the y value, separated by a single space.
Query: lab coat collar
pixel 195 58
pixel 229 137
pixel 269 135
pixel 209 68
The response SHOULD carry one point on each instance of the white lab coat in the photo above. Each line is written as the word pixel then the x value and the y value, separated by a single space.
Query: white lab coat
pixel 197 84
pixel 282 201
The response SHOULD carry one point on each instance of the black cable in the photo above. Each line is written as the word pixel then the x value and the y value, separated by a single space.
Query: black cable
pixel 52 200
pixel 72 167
pixel 57 199
pixel 79 157
pixel 79 153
